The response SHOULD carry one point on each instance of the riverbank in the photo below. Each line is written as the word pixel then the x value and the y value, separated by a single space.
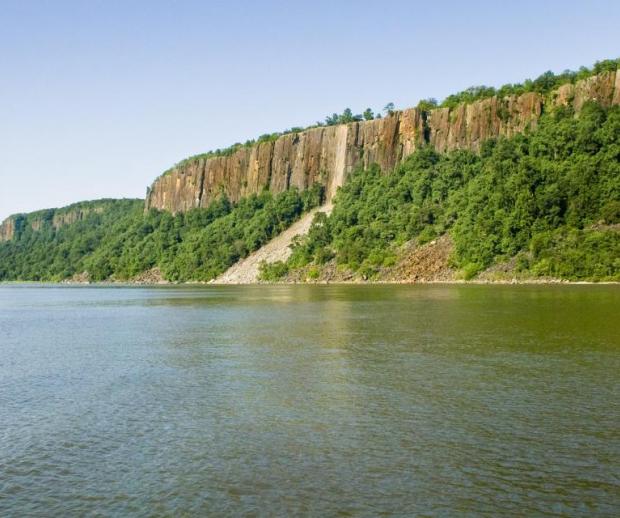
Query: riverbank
pixel 513 282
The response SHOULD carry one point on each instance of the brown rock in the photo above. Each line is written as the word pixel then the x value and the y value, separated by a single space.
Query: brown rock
pixel 37 220
pixel 327 154
pixel 7 229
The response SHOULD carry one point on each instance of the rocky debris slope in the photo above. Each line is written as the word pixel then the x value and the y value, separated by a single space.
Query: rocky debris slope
pixel 278 249
pixel 152 276
pixel 429 262
pixel 327 154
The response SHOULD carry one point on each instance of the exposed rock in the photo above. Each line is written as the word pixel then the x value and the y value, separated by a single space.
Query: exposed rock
pixel 327 154
pixel 501 271
pixel 55 218
pixel 278 249
pixel 467 126
pixel 152 276
pixel 60 219
pixel 78 278
pixel 429 262
pixel 324 155
pixel 7 229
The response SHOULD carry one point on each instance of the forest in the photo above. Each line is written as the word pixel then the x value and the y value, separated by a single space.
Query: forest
pixel 122 241
pixel 548 199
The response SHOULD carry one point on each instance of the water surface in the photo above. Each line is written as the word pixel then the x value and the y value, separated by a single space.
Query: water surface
pixel 310 400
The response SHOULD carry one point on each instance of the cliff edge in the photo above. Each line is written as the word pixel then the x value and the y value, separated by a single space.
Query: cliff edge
pixel 327 154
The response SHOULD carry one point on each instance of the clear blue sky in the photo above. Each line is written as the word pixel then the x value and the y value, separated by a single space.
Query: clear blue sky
pixel 99 97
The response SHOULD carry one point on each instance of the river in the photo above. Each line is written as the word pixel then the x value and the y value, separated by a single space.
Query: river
pixel 310 400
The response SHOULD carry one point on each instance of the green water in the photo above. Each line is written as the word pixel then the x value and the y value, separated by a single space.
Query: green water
pixel 310 400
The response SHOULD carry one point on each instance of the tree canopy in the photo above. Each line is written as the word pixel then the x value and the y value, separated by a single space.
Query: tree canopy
pixel 549 198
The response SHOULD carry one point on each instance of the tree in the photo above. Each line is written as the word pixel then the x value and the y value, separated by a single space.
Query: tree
pixel 347 116
pixel 389 108
pixel 368 114
pixel 427 104
pixel 331 120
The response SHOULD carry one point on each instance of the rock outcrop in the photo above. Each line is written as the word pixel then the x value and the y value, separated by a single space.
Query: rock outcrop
pixel 327 154
pixel 53 218
pixel 7 228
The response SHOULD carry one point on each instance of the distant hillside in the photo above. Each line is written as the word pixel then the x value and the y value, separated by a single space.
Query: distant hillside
pixel 117 240
pixel 52 219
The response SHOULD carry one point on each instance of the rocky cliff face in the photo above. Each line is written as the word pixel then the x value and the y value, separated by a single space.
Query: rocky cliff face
pixel 327 154
pixel 7 229
pixel 55 218
pixel 323 155
pixel 467 126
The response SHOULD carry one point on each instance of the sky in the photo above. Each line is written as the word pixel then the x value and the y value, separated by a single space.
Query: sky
pixel 97 98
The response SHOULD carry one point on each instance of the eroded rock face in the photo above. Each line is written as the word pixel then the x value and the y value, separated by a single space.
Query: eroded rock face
pixel 7 229
pixel 60 219
pixel 324 155
pixel 327 154
pixel 55 218
pixel 467 126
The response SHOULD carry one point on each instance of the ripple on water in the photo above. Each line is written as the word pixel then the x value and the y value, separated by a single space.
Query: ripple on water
pixel 303 400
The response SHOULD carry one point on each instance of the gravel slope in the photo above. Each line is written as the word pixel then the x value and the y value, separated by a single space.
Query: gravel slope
pixel 246 270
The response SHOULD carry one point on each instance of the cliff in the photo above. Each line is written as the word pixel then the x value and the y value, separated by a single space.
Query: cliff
pixel 52 218
pixel 327 154
pixel 7 228
pixel 323 154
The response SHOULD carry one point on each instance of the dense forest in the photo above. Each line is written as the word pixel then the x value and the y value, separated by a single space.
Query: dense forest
pixel 548 199
pixel 121 241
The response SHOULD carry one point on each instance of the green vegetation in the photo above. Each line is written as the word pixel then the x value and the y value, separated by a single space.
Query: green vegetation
pixel 271 272
pixel 345 117
pixel 550 198
pixel 45 217
pixel 121 241
pixel 46 253
pixel 546 201
pixel 543 84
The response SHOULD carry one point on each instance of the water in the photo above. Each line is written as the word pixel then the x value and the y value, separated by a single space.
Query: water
pixel 310 400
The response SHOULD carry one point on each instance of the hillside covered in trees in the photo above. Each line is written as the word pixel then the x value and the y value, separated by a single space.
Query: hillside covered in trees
pixel 541 203
pixel 549 200
pixel 121 241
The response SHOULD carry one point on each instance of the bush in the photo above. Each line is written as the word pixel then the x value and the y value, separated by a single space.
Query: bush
pixel 272 271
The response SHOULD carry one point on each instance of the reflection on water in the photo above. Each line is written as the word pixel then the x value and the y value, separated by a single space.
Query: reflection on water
pixel 316 400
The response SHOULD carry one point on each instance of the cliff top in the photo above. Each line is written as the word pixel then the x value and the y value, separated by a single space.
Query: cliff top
pixel 543 84
pixel 80 205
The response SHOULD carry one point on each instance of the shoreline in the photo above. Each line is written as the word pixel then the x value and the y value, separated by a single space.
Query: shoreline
pixel 512 282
